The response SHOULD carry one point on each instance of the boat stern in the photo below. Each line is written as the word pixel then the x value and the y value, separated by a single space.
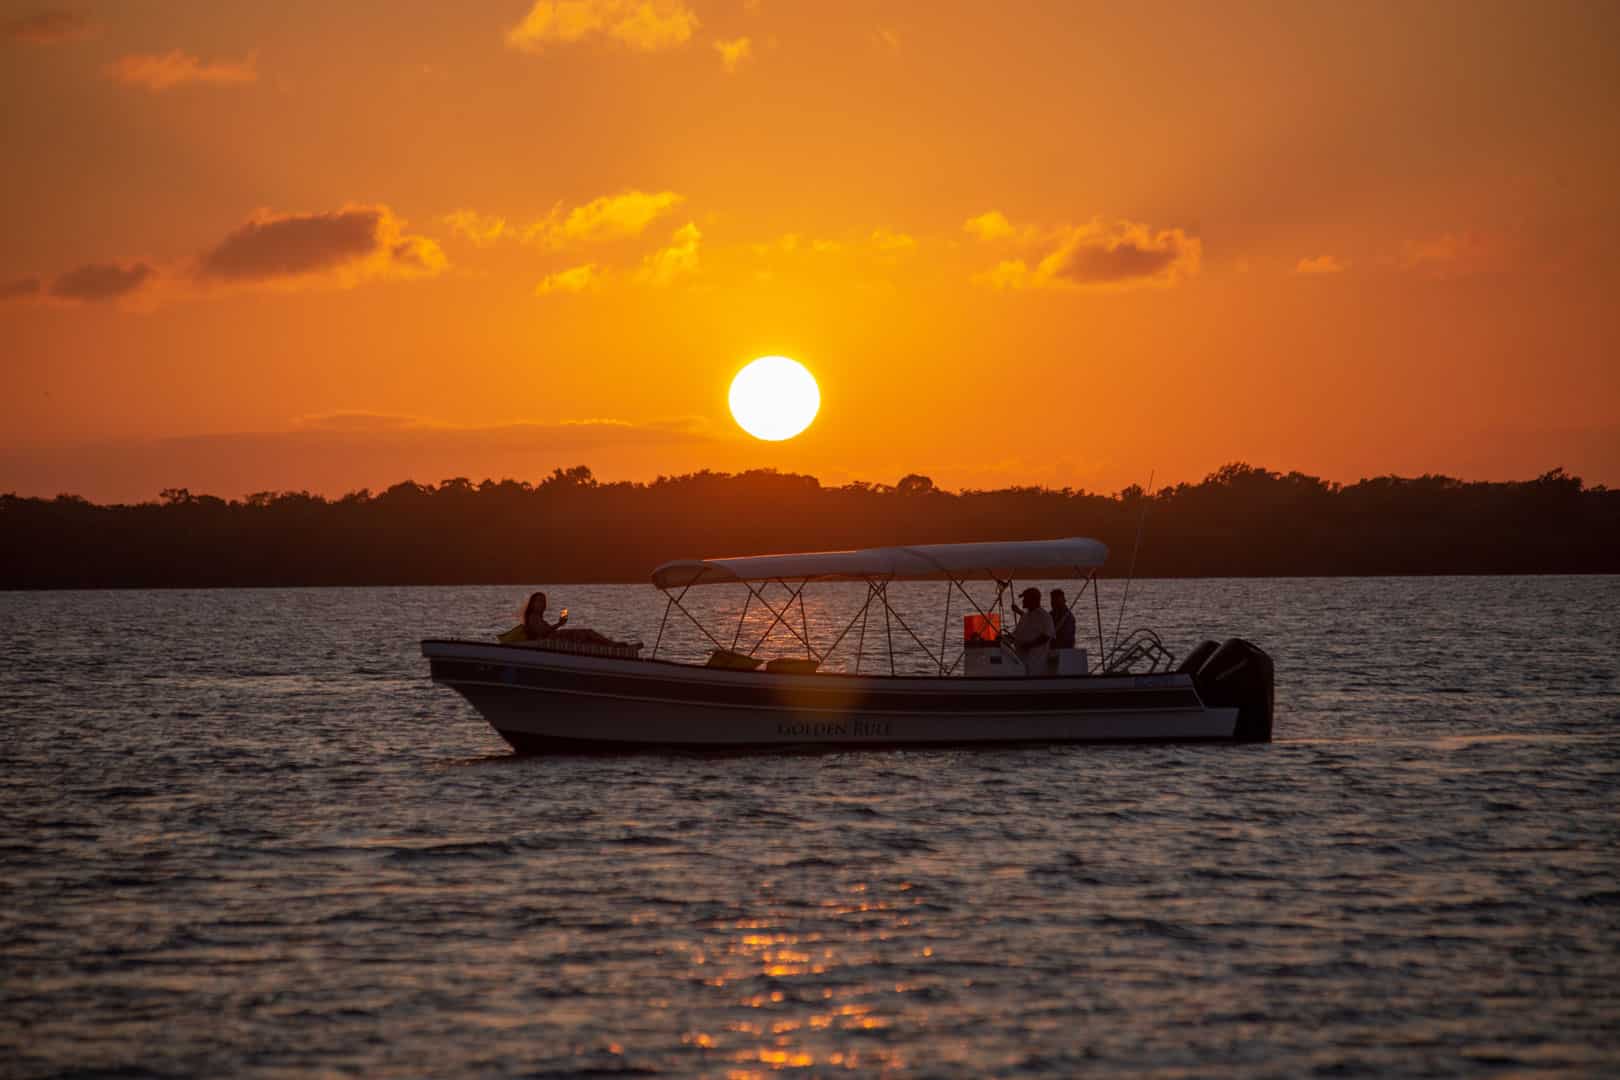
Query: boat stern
pixel 1240 675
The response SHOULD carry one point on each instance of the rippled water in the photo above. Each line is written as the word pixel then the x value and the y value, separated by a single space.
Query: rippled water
pixel 242 833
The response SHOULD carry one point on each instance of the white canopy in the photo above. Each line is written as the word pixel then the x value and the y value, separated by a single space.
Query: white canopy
pixel 923 562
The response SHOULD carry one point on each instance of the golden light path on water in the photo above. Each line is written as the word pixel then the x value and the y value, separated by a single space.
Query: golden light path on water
pixel 762 948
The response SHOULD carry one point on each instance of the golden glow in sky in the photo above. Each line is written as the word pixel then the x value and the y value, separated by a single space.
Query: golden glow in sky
pixel 774 398
pixel 320 246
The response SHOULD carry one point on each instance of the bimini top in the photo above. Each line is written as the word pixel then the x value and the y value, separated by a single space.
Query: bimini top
pixel 923 562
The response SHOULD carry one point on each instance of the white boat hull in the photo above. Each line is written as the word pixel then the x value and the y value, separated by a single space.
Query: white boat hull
pixel 540 701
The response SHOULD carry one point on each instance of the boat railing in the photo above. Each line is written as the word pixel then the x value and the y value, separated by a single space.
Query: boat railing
pixel 1140 647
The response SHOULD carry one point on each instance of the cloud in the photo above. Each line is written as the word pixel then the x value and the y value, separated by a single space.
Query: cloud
pixel 642 25
pixel 47 28
pixel 1454 255
pixel 346 246
pixel 573 280
pixel 885 38
pixel 678 260
pixel 796 244
pixel 157 72
pixel 734 53
pixel 1321 264
pixel 1113 256
pixel 352 420
pixel 416 255
pixel 481 229
pixel 97 282
pixel 19 288
pixel 609 217
pixel 992 225
pixel 892 243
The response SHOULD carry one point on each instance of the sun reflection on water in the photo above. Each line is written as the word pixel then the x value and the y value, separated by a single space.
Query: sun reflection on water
pixel 799 1022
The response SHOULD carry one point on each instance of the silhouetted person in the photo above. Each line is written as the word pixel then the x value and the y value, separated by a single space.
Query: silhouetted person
pixel 1032 637
pixel 534 619
pixel 1062 621
pixel 537 628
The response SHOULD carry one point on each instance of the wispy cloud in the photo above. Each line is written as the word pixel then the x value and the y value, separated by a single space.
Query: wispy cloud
pixel 892 243
pixel 797 244
pixel 1321 264
pixel 609 217
pixel 993 226
pixel 342 247
pixel 100 282
pixel 678 260
pixel 642 25
pixel 573 280
pixel 268 251
pixel 1104 255
pixel 481 229
pixel 1455 254
pixel 164 71
pixel 734 53
pixel 47 27
pixel 19 288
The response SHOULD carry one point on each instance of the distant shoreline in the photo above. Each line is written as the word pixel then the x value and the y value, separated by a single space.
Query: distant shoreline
pixel 1240 522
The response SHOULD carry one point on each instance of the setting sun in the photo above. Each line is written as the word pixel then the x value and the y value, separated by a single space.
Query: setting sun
pixel 774 398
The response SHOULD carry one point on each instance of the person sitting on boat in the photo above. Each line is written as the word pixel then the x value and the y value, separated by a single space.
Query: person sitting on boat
pixel 537 628
pixel 1032 637
pixel 1062 621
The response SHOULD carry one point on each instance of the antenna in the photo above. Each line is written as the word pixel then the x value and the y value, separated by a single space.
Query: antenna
pixel 1140 522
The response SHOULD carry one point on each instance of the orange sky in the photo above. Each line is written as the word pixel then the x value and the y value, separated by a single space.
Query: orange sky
pixel 326 246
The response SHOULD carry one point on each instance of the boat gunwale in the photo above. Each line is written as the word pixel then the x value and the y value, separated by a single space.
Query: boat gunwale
pixel 550 658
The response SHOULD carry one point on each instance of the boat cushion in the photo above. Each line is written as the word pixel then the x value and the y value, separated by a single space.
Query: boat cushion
pixel 735 661
pixel 585 648
pixel 793 665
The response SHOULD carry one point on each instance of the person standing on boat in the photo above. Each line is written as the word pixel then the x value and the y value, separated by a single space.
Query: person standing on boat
pixel 1032 637
pixel 1062 621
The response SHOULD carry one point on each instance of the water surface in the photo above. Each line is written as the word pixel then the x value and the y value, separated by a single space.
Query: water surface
pixel 242 833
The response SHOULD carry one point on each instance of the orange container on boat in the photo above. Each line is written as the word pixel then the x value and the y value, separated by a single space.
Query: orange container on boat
pixel 979 630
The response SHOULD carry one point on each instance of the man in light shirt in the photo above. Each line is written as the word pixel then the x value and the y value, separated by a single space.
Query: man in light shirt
pixel 1032 637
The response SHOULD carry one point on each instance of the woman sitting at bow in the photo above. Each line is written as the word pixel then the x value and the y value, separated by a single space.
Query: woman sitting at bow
pixel 536 627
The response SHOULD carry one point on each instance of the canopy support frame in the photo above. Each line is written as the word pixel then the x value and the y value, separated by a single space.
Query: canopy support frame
pixel 781 616
pixel 878 589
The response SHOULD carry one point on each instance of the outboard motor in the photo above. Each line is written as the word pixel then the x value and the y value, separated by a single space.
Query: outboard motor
pixel 1239 674
pixel 1196 658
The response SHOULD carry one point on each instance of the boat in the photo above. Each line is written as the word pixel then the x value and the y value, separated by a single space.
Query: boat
pixel 566 695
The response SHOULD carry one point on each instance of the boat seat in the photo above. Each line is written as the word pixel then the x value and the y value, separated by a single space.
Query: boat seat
pixel 733 661
pixel 586 648
pixel 792 665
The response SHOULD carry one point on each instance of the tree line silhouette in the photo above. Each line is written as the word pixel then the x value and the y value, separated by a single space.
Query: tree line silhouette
pixel 569 527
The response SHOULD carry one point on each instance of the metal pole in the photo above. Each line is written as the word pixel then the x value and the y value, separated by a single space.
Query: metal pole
pixel 804 621
pixel 742 619
pixel 842 634
pixel 781 616
pixel 887 626
pixel 945 629
pixel 1096 599
pixel 669 602
pixel 860 645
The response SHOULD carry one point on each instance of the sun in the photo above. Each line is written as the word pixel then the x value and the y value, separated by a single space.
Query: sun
pixel 774 398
